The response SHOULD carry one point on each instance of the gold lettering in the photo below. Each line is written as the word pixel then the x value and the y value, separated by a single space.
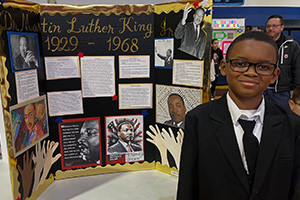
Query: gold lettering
pixel 8 20
pixel 91 24
pixel 72 23
pixel 50 27
pixel 165 31
pixel 149 30
pixel 44 24
pixel 97 28
pixel 125 24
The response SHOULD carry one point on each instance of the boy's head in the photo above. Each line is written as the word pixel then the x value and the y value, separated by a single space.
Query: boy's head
pixel 295 101
pixel 250 66
pixel 215 44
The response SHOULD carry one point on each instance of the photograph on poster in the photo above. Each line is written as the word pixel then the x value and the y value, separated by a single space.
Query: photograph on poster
pixel 23 50
pixel 27 85
pixel 134 66
pixel 172 103
pixel 29 122
pixel 62 67
pixel 188 72
pixel 135 96
pixel 98 76
pixel 65 103
pixel 164 53
pixel 192 36
pixel 124 138
pixel 80 142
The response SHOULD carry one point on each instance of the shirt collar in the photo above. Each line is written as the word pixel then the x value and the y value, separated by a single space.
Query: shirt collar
pixel 236 113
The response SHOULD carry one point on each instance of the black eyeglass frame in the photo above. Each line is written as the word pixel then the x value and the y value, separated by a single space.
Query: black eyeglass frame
pixel 250 64
pixel 273 25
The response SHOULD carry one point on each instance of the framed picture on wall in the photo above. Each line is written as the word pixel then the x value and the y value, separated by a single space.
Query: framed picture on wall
pixel 24 50
pixel 29 121
pixel 172 103
pixel 124 138
pixel 80 142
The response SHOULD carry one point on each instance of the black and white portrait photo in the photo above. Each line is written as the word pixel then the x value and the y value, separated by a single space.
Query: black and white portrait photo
pixel 164 53
pixel 191 34
pixel 23 50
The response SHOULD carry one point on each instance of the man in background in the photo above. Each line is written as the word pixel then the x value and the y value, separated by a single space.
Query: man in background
pixel 177 110
pixel 295 101
pixel 288 61
pixel 89 141
pixel 217 57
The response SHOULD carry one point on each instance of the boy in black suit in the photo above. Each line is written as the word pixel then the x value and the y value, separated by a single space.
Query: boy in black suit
pixel 221 158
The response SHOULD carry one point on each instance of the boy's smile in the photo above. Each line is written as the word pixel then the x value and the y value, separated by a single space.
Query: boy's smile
pixel 249 86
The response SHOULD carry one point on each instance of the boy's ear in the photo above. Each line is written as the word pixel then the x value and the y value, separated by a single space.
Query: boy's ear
pixel 291 104
pixel 223 67
pixel 275 75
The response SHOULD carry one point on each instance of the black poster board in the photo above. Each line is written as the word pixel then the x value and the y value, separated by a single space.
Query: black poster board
pixel 99 35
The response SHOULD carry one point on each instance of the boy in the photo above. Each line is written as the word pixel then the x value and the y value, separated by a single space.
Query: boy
pixel 216 163
pixel 217 57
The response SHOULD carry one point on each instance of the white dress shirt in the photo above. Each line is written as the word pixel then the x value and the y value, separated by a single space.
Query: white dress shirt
pixel 257 115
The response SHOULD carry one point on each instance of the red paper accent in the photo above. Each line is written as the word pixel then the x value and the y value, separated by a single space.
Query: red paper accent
pixel 80 54
pixel 115 98
pixel 196 4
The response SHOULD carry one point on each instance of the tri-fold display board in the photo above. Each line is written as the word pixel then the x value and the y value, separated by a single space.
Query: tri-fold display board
pixel 99 89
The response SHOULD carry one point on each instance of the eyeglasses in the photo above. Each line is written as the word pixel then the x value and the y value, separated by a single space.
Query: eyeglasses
pixel 241 65
pixel 273 25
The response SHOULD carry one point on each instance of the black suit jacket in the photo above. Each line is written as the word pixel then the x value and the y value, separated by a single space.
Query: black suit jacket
pixel 211 167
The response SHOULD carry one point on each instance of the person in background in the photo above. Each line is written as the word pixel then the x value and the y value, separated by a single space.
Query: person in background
pixel 217 57
pixel 294 103
pixel 242 146
pixel 288 61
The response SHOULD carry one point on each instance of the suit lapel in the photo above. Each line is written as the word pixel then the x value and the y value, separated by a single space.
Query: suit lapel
pixel 226 137
pixel 272 129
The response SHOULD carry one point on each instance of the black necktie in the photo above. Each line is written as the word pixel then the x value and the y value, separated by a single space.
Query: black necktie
pixel 251 147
